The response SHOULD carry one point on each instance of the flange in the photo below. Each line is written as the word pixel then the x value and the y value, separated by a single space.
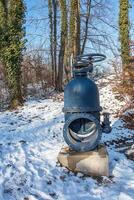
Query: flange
pixel 82 132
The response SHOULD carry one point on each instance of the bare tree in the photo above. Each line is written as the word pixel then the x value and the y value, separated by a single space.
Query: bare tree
pixel 62 44
pixel 88 8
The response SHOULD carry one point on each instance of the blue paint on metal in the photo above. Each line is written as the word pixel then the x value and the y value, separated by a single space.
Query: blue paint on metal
pixel 81 95
pixel 76 144
pixel 82 130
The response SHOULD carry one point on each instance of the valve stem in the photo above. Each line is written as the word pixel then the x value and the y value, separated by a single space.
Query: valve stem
pixel 106 123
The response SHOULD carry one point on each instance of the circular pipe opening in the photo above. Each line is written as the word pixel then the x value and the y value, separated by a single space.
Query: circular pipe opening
pixel 83 130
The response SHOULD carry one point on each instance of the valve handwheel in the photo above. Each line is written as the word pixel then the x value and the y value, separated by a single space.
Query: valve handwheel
pixel 84 63
pixel 93 57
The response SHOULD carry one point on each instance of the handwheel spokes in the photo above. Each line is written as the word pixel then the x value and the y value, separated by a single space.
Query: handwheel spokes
pixel 95 57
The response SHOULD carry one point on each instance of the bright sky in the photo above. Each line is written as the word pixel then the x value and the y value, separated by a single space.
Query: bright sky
pixel 38 30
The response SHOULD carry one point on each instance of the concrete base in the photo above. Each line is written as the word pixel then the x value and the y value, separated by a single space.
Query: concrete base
pixel 92 163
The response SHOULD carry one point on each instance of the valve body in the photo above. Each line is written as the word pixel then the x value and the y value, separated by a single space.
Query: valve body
pixel 82 130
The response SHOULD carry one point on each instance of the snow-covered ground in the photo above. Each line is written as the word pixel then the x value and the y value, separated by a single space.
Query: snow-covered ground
pixel 30 140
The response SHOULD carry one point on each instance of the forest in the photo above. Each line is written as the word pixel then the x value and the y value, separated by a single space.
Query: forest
pixel 72 28
pixel 42 48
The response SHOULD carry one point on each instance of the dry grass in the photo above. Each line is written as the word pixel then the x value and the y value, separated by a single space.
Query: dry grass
pixel 129 120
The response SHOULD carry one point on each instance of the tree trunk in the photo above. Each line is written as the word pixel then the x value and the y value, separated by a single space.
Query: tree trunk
pixel 55 39
pixel 51 39
pixel 74 35
pixel 62 44
pixel 124 34
pixel 124 29
pixel 86 25
pixel 77 29
pixel 11 46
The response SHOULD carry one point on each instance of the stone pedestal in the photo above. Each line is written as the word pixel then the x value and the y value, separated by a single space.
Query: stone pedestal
pixel 92 163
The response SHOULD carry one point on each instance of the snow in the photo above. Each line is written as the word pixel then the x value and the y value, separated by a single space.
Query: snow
pixel 30 140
